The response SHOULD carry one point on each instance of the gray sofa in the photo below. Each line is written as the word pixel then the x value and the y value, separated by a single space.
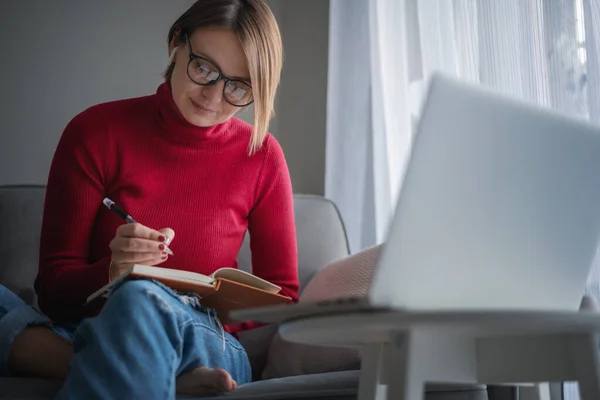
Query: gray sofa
pixel 321 239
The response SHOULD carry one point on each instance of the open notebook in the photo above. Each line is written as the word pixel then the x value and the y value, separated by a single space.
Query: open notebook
pixel 225 290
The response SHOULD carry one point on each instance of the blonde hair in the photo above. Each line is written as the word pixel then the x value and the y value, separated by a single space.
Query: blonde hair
pixel 259 35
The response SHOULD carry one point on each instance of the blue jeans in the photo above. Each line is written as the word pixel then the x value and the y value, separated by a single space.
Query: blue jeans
pixel 145 337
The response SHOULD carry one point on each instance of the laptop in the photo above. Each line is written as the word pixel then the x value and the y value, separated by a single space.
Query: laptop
pixel 499 210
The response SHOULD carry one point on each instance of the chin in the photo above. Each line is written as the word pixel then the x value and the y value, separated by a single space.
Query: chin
pixel 201 121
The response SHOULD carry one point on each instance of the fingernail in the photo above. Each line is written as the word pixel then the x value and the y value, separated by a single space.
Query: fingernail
pixel 164 257
pixel 164 253
pixel 161 247
pixel 161 238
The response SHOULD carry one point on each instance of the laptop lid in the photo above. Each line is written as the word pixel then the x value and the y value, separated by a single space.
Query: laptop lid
pixel 499 209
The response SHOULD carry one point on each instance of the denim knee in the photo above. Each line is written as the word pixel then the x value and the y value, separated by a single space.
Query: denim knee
pixel 15 316
pixel 131 292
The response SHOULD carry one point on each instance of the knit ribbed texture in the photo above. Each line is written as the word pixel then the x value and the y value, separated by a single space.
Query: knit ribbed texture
pixel 165 172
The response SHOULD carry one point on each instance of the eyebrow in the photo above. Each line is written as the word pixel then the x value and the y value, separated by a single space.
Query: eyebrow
pixel 204 55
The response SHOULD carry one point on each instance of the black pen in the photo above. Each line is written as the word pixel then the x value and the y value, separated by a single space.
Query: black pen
pixel 118 210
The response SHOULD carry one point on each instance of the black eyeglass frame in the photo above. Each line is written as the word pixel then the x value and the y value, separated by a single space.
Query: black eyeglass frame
pixel 215 81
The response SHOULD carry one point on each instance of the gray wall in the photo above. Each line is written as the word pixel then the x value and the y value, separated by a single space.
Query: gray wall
pixel 61 56
pixel 302 99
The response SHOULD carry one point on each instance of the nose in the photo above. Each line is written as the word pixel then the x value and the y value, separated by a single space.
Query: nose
pixel 214 93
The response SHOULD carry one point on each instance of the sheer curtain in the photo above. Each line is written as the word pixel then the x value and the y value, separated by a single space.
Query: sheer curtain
pixel 382 53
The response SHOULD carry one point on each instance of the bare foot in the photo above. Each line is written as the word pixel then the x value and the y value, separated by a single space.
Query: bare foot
pixel 203 380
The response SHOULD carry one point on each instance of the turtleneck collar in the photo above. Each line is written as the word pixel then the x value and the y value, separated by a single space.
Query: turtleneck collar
pixel 177 129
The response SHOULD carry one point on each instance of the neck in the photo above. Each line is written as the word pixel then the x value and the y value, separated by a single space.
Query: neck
pixel 177 129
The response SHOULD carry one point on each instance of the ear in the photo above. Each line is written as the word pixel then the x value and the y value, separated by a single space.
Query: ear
pixel 174 44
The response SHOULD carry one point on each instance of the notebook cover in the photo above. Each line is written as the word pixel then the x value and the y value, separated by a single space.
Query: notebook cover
pixel 224 295
pixel 230 295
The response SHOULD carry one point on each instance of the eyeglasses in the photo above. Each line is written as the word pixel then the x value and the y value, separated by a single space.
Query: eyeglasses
pixel 205 73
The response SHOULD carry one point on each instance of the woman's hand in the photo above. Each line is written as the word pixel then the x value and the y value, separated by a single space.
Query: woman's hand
pixel 138 244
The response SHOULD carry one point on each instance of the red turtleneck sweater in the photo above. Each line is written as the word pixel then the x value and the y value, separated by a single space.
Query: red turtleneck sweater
pixel 165 172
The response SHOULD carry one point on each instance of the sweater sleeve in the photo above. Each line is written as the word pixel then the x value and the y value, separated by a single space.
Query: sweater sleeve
pixel 272 227
pixel 73 195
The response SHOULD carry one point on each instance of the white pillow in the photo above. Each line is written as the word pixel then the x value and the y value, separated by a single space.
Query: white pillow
pixel 347 277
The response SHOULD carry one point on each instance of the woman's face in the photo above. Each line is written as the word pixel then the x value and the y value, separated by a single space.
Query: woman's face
pixel 205 105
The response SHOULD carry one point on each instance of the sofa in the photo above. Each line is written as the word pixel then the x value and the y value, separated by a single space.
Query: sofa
pixel 321 239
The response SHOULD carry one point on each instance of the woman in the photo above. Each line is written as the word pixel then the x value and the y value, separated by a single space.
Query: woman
pixel 181 164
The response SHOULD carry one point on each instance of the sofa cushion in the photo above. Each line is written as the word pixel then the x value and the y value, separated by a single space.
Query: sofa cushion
pixel 335 385
pixel 330 385
pixel 338 385
pixel 347 277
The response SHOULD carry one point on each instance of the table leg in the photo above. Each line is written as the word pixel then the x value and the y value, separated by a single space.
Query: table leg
pixel 371 383
pixel 406 380
pixel 586 363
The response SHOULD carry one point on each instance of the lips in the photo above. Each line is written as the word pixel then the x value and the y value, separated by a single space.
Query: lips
pixel 201 108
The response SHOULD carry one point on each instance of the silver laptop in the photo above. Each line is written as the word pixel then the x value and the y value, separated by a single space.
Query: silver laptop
pixel 499 209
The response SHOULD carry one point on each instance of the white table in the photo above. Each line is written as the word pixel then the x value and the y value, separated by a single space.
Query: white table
pixel 404 350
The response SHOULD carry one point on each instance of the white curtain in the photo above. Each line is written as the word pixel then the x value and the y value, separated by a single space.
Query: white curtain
pixel 382 53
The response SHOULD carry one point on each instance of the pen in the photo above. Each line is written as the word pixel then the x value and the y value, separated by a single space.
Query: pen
pixel 118 210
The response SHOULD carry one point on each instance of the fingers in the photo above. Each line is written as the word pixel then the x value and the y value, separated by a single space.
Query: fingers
pixel 130 244
pixel 121 257
pixel 137 244
pixel 140 231
pixel 121 267
pixel 169 234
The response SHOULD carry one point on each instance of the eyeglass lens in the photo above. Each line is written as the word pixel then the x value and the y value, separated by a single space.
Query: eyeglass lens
pixel 204 72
